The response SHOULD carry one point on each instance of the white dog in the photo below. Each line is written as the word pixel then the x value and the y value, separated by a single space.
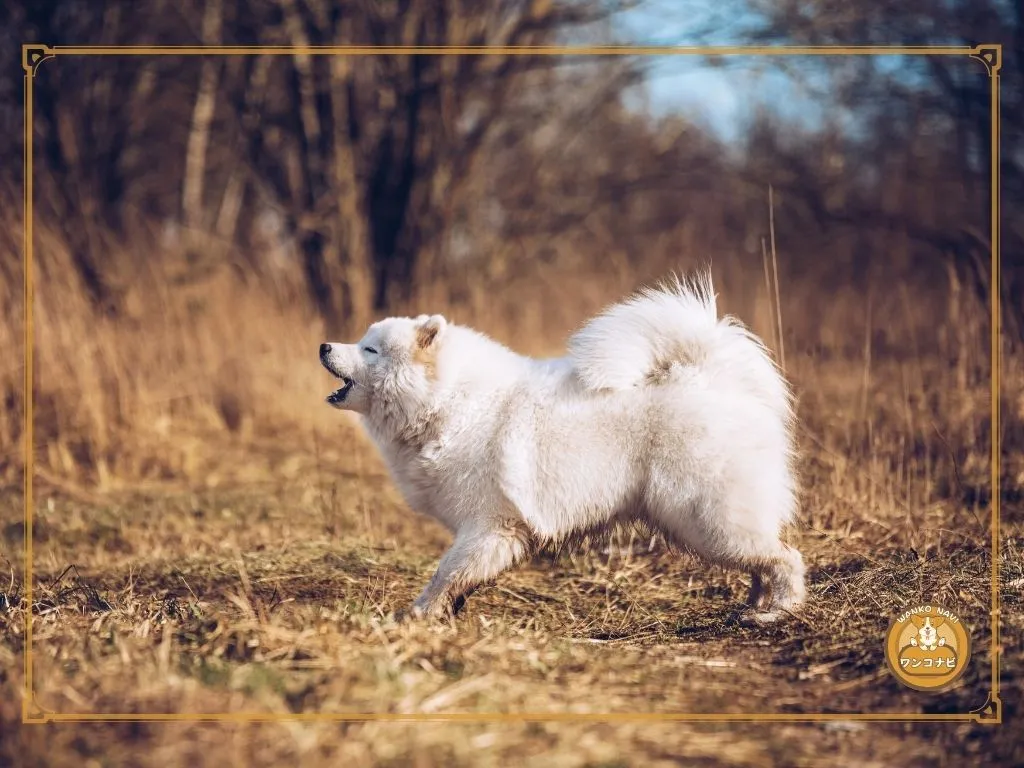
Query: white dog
pixel 660 412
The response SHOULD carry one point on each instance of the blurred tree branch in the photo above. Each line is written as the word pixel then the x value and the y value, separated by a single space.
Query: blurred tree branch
pixel 943 95
pixel 384 144
pixel 202 117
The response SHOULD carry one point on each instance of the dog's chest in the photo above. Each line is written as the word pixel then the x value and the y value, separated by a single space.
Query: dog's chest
pixel 444 467
pixel 438 480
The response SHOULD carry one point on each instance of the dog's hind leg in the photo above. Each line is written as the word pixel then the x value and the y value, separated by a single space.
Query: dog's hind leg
pixel 744 543
pixel 476 556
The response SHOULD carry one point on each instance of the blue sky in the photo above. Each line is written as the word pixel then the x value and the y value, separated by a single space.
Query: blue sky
pixel 725 98
pixel 706 95
pixel 720 97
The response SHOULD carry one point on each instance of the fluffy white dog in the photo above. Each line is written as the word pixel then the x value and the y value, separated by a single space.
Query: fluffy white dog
pixel 661 412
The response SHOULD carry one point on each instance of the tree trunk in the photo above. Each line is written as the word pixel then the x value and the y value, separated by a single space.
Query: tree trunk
pixel 199 134
pixel 353 243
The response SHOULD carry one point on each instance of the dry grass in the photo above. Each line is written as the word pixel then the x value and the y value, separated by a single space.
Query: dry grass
pixel 277 599
pixel 209 538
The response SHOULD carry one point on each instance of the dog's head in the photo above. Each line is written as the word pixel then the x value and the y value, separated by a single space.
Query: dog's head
pixel 390 372
pixel 927 636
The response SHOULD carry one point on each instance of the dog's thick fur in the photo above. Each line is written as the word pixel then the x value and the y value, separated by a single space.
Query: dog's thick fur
pixel 660 412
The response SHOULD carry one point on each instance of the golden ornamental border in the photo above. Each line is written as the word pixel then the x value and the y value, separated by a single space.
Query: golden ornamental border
pixel 990 55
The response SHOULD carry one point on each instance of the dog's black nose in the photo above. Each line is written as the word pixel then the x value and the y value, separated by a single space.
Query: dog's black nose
pixel 324 349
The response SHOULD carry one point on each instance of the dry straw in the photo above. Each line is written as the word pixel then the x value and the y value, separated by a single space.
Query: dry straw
pixel 990 55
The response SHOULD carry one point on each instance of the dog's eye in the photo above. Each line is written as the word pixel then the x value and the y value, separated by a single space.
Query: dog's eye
pixel 371 350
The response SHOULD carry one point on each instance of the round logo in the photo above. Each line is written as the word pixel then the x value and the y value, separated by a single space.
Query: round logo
pixel 927 647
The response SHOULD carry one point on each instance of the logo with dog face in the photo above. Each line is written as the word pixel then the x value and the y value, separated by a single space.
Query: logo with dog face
pixel 927 647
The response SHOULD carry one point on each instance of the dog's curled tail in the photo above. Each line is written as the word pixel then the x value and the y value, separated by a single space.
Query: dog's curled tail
pixel 636 341
pixel 642 340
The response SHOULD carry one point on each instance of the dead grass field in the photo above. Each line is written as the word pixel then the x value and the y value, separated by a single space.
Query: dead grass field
pixel 209 538
pixel 272 593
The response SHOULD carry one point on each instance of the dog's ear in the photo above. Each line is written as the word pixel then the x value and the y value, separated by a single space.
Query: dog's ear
pixel 429 330
pixel 917 621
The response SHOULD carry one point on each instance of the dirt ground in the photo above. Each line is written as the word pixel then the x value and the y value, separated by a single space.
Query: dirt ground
pixel 268 587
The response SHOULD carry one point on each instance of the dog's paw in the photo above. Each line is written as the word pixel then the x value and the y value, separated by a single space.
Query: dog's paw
pixel 409 614
pixel 438 609
pixel 760 618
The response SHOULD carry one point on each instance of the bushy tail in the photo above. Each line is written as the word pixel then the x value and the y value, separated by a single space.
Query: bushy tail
pixel 637 340
pixel 643 340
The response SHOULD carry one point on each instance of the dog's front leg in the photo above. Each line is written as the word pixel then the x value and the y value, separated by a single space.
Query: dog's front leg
pixel 477 555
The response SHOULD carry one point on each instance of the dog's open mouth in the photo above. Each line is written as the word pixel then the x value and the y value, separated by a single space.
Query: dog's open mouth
pixel 339 395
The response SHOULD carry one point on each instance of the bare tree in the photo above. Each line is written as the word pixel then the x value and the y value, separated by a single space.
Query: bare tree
pixel 383 143
pixel 365 157
pixel 947 100
pixel 92 117
pixel 202 118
